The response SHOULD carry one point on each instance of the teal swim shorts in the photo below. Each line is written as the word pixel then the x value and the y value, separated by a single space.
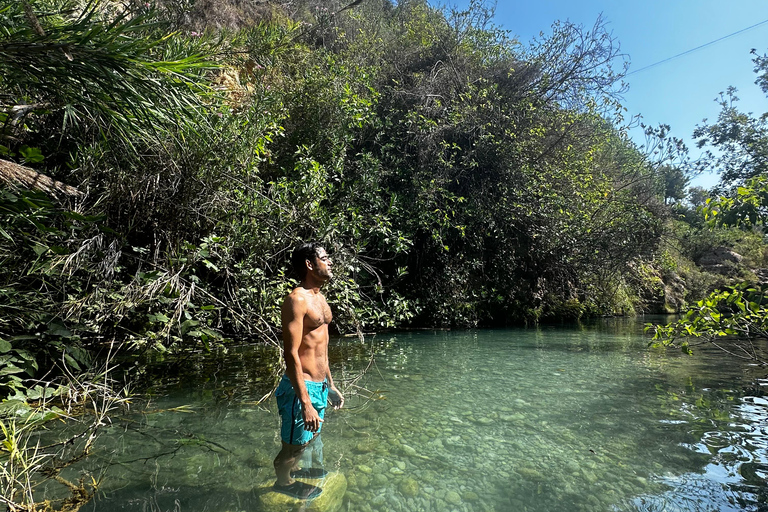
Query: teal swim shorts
pixel 292 430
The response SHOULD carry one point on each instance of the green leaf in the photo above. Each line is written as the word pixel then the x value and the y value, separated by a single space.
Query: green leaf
pixel 158 317
pixel 10 369
pixel 75 216
pixel 71 362
pixel 39 392
pixel 187 325
pixel 58 249
pixel 5 346
pixel 31 155
pixel 25 355
pixel 210 265
pixel 57 329
pixel 13 407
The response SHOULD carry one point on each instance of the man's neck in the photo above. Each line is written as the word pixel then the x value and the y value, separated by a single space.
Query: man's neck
pixel 312 285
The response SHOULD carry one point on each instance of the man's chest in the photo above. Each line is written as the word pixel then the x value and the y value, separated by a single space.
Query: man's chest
pixel 318 313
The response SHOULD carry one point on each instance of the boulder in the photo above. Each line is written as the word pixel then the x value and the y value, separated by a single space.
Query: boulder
pixel 334 486
pixel 719 257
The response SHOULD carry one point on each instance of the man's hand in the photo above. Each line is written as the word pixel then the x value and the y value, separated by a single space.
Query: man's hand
pixel 336 398
pixel 312 420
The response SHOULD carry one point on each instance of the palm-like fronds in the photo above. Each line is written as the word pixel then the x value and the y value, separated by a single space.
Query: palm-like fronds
pixel 104 71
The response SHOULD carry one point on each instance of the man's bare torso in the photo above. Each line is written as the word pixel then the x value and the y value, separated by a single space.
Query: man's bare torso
pixel 313 351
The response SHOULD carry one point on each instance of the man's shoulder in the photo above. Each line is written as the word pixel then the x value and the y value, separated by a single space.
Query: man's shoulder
pixel 294 305
pixel 296 297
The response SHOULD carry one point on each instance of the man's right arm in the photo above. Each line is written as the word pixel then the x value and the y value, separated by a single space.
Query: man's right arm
pixel 294 309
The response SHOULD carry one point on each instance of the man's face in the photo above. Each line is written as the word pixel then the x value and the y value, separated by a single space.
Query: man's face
pixel 322 265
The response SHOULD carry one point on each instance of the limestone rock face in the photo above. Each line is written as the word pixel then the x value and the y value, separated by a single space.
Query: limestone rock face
pixel 674 293
pixel 718 256
pixel 334 486
pixel 720 260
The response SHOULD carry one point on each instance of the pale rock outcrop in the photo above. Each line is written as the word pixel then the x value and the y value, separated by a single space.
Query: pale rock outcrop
pixel 334 487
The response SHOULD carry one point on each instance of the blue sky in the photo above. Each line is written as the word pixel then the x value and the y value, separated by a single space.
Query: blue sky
pixel 680 92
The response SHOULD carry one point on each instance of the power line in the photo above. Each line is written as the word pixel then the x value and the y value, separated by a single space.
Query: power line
pixel 697 48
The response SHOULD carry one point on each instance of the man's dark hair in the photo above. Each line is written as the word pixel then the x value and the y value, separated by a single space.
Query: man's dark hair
pixel 304 252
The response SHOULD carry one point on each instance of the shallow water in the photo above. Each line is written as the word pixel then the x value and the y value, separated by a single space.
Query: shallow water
pixel 543 419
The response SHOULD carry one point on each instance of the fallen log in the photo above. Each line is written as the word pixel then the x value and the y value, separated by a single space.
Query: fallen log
pixel 12 173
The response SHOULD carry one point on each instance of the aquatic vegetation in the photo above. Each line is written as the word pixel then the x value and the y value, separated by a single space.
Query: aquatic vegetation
pixel 29 458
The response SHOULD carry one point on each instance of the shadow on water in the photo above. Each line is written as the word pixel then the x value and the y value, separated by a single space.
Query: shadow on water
pixel 240 373
pixel 583 418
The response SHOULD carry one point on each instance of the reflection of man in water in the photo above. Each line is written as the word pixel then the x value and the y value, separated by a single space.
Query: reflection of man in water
pixel 307 385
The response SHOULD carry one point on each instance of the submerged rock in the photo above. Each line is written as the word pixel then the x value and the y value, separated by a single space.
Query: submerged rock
pixel 379 480
pixel 530 473
pixel 470 496
pixel 453 497
pixel 334 487
pixel 367 446
pixel 409 487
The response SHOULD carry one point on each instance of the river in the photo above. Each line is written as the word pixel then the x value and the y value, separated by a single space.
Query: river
pixel 539 419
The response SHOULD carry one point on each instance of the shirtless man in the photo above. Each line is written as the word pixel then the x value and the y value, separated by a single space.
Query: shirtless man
pixel 307 385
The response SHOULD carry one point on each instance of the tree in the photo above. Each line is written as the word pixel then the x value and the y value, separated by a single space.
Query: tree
pixel 673 181
pixel 518 195
pixel 743 164
pixel 740 138
pixel 731 319
pixel 744 206
pixel 698 196
pixel 76 85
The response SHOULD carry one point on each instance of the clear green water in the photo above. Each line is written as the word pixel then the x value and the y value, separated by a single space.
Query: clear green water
pixel 549 419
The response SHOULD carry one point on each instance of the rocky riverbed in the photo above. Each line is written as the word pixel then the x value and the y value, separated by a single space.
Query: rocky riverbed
pixel 581 421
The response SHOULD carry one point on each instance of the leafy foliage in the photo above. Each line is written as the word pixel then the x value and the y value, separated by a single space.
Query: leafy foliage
pixel 456 176
pixel 94 68
pixel 734 318
pixel 741 138
pixel 746 205
pixel 722 319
